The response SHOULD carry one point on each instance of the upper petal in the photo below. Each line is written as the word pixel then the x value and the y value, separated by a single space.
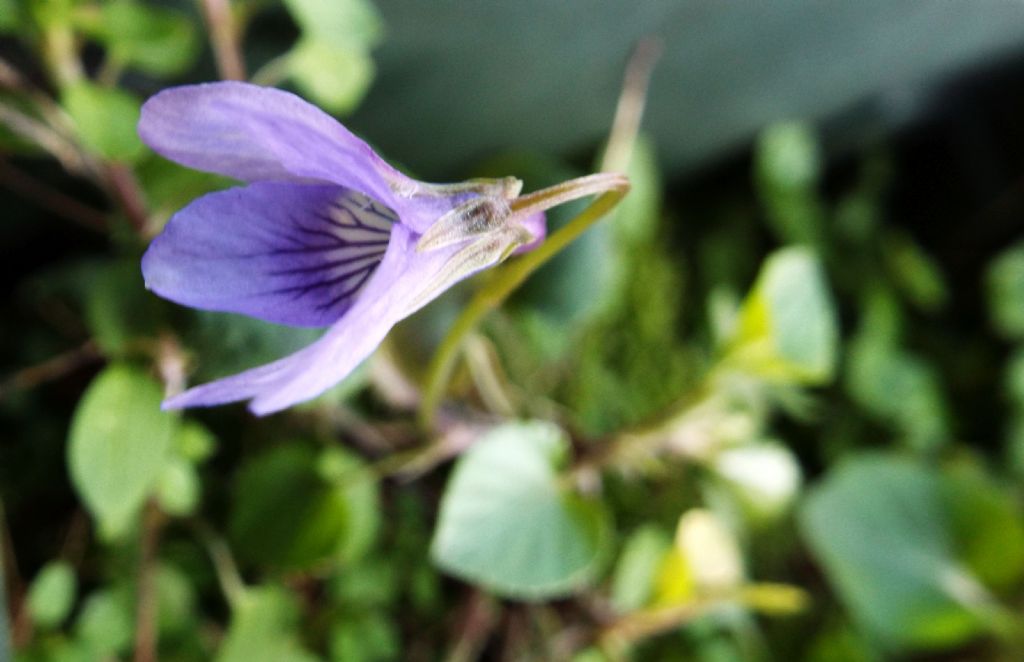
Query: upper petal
pixel 404 281
pixel 257 133
pixel 289 253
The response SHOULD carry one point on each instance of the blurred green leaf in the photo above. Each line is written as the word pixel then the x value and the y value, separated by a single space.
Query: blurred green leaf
pixel 841 643
pixel 176 600
pixel 105 625
pixel 1005 285
pixel 289 512
pixel 898 387
pixel 263 629
pixel 335 76
pixel 1014 379
pixel 373 582
pixel 53 15
pixel 510 523
pixel 787 326
pixel 636 572
pixel 10 18
pixel 52 594
pixel 787 168
pixel 105 119
pixel 331 61
pixel 366 637
pixel 637 219
pixel 590 654
pixel 878 527
pixel 178 488
pixel 118 444
pixel 857 217
pixel 349 475
pixel 169 187
pixel 635 235
pixel 788 155
pixel 1014 450
pixel 155 40
pixel 231 343
pixel 425 589
pixel 987 526
pixel 194 442
pixel 630 365
pixel 915 272
pixel 118 309
pixel 344 21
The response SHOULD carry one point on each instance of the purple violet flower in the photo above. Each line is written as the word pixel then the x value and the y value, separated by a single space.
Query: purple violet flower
pixel 325 233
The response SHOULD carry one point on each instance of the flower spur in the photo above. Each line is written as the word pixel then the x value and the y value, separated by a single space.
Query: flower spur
pixel 325 233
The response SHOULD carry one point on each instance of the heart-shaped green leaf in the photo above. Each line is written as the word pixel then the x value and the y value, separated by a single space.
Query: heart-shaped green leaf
pixel 510 522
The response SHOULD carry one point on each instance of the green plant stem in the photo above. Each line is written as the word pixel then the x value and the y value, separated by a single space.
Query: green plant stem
pixel 60 50
pixel 272 73
pixel 228 576
pixel 505 281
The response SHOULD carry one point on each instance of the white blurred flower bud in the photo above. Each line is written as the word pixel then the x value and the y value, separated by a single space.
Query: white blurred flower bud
pixel 765 476
pixel 710 551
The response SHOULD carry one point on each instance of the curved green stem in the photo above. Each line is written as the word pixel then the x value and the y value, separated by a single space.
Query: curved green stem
pixel 613 188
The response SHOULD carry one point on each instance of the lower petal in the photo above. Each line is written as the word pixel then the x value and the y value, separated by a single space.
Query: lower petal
pixel 402 283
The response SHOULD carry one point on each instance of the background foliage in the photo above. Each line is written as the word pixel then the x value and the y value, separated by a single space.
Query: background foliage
pixel 771 408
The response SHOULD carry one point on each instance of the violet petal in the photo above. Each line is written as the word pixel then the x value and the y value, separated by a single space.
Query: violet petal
pixel 257 133
pixel 293 254
pixel 396 290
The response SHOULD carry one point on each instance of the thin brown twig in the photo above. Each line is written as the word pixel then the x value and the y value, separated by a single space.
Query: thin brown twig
pixel 224 38
pixel 76 541
pixel 9 76
pixel 49 139
pixel 146 605
pixel 52 368
pixel 479 616
pixel 48 108
pixel 125 189
pixel 50 198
